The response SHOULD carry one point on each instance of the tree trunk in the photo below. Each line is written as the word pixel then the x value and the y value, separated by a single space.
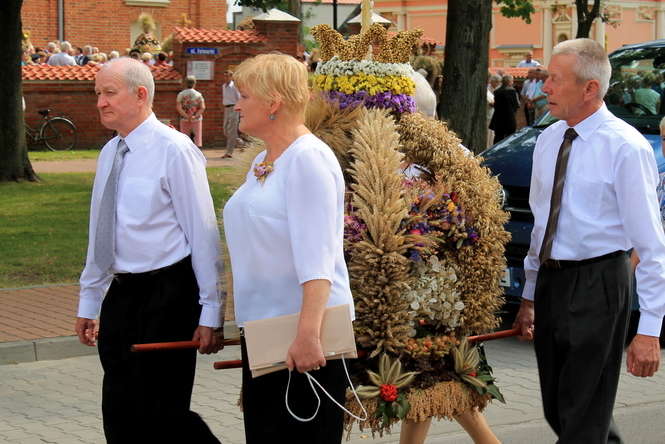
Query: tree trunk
pixel 14 162
pixel 585 17
pixel 464 95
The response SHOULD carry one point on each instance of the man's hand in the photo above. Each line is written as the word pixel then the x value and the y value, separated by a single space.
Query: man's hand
pixel 210 341
pixel 86 329
pixel 524 320
pixel 643 356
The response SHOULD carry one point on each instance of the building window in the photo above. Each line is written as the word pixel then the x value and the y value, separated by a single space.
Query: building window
pixel 156 3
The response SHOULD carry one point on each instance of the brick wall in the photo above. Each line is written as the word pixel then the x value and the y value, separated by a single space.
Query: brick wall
pixel 77 100
pixel 281 37
pixel 106 23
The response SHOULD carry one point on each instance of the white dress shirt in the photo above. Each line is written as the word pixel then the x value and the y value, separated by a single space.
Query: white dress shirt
pixel 230 94
pixel 609 203
pixel 532 64
pixel 61 59
pixel 287 231
pixel 164 213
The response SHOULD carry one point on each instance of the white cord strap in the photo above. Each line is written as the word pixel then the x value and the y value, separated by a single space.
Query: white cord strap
pixel 311 379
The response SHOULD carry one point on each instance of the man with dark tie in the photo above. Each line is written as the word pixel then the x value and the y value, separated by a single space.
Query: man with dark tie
pixel 593 197
pixel 151 272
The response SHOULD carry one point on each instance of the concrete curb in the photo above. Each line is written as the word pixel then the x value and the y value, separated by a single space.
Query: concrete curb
pixel 62 347
pixel 43 349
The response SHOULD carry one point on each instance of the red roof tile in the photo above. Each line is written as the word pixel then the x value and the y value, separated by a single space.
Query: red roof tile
pixel 86 73
pixel 518 73
pixel 196 35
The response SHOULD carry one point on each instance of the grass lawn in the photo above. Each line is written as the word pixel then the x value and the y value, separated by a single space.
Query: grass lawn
pixel 44 226
pixel 40 156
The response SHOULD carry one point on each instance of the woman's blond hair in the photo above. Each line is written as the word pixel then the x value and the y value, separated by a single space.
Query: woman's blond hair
pixel 275 78
pixel 662 126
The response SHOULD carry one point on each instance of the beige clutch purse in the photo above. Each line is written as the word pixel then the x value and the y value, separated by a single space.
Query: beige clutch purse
pixel 268 340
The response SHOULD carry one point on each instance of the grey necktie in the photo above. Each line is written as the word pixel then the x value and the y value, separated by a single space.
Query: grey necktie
pixel 557 193
pixel 105 234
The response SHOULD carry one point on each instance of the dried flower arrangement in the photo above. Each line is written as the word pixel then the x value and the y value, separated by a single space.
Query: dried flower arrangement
pixel 425 254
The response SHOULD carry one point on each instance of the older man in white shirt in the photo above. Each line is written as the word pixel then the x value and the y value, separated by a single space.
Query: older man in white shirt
pixel 63 58
pixel 151 272
pixel 593 198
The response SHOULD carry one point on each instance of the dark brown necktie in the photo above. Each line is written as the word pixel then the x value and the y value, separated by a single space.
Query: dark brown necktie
pixel 557 193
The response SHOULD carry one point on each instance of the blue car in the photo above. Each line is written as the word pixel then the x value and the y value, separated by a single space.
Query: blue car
pixel 634 67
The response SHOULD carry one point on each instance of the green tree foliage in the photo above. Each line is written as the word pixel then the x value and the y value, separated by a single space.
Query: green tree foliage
pixel 586 13
pixel 517 8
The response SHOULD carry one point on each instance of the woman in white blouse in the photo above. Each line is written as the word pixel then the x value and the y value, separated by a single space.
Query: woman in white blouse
pixel 284 230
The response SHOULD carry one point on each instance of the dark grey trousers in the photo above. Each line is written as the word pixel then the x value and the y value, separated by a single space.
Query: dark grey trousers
pixel 581 317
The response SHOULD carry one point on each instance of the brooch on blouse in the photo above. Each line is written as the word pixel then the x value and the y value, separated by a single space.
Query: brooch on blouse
pixel 262 170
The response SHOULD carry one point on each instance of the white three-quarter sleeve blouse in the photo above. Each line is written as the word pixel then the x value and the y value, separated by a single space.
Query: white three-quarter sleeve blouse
pixel 287 231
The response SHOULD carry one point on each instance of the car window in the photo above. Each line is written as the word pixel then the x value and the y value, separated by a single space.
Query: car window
pixel 637 87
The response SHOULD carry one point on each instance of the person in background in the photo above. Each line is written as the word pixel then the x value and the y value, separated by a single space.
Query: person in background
pixel 647 97
pixel 190 106
pixel 147 58
pixel 285 230
pixel 230 96
pixel 528 61
pixel 506 103
pixel 161 59
pixel 78 55
pixel 593 198
pixel 525 94
pixel 135 54
pixel 539 98
pixel 152 267
pixel 62 58
pixel 113 55
pixel 492 85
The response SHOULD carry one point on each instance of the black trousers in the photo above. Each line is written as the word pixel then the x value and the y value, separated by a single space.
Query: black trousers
pixel 268 421
pixel 581 317
pixel 146 396
pixel 529 115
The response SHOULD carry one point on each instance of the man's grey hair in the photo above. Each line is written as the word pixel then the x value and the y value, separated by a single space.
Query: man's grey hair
pixel 592 62
pixel 495 78
pixel 135 74
pixel 506 80
pixel 65 46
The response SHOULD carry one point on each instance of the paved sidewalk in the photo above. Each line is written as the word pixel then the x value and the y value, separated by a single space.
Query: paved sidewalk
pixel 59 402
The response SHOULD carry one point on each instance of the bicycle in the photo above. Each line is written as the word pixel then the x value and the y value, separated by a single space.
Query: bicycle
pixel 58 133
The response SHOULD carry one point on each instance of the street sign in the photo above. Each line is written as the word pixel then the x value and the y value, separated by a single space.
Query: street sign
pixel 201 69
pixel 202 51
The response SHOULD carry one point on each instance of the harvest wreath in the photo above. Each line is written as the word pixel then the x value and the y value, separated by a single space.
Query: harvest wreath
pixel 424 249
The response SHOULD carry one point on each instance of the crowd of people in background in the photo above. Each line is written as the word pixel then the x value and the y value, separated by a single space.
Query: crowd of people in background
pixel 503 101
pixel 57 53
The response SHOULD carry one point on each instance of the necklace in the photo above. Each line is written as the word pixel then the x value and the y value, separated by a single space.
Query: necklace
pixel 262 170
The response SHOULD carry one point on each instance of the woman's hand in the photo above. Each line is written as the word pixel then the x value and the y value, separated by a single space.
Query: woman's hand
pixel 305 354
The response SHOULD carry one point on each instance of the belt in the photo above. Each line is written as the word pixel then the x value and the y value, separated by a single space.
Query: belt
pixel 555 263
pixel 229 106
pixel 124 277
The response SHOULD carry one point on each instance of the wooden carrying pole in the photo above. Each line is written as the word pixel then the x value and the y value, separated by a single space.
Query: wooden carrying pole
pixel 178 345
pixel 222 365
pixel 495 335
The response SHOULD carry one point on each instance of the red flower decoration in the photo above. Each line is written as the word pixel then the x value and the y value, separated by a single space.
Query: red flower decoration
pixel 388 392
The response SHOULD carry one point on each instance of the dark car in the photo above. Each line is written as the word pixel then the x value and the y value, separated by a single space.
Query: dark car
pixel 511 158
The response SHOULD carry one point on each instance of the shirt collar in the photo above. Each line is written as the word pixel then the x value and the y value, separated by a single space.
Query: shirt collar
pixel 135 140
pixel 588 126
